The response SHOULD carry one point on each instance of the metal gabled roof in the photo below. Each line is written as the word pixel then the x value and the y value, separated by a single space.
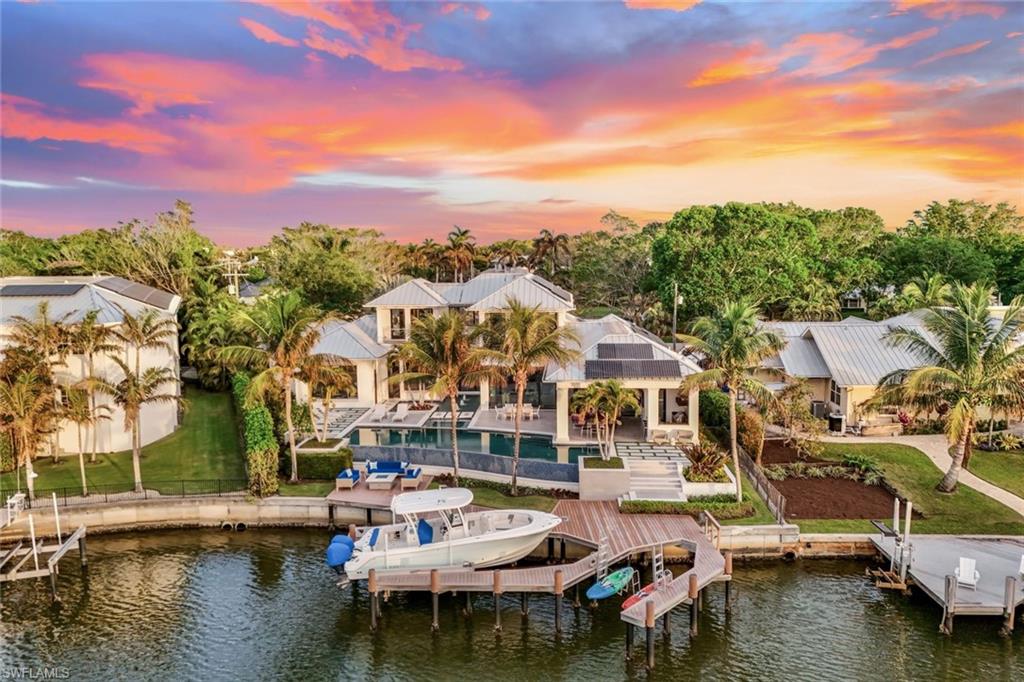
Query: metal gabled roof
pixel 528 290
pixel 415 293
pixel 800 358
pixel 89 293
pixel 351 339
pixel 613 330
pixel 859 355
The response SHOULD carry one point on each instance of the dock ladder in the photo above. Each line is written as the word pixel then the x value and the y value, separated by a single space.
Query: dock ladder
pixel 603 557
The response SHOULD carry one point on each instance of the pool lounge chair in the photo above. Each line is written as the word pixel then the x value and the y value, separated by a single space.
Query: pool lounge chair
pixel 401 412
pixel 346 480
pixel 966 573
pixel 377 413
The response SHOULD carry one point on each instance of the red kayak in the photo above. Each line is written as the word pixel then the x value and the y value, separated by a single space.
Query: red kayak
pixel 645 591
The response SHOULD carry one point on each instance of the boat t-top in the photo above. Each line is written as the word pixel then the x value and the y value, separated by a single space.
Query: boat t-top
pixel 438 532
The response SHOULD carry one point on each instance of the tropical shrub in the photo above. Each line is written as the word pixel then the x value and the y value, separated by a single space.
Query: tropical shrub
pixel 713 408
pixel 750 432
pixel 707 462
pixel 261 444
pixel 6 453
pixel 860 462
pixel 1009 441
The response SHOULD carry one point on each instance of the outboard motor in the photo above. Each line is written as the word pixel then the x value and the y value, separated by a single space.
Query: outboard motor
pixel 338 552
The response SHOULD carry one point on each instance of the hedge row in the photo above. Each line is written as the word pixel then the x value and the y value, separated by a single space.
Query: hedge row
pixel 722 506
pixel 261 446
pixel 320 466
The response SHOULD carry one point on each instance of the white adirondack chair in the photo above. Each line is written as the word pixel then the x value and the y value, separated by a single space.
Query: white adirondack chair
pixel 966 573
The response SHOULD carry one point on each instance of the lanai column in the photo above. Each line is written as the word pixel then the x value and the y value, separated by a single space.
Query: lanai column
pixel 561 415
pixel 407 316
pixel 485 393
pixel 694 409
pixel 651 410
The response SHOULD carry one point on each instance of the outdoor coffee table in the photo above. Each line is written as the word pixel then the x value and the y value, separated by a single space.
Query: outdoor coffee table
pixel 381 481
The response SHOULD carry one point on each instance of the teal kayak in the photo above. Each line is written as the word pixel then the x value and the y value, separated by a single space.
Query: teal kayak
pixel 611 584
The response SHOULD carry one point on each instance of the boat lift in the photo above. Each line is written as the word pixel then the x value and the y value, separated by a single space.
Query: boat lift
pixel 895 577
pixel 45 559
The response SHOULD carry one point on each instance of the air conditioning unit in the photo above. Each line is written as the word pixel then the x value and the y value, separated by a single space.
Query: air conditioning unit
pixel 819 409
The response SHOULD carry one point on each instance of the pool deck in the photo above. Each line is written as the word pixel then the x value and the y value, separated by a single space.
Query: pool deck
pixel 935 557
pixel 587 523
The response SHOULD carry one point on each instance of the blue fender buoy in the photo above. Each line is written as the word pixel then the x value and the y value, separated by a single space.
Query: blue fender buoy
pixel 343 539
pixel 337 554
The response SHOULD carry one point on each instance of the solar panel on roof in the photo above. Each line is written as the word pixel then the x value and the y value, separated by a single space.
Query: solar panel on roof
pixel 624 351
pixel 138 292
pixel 631 369
pixel 40 289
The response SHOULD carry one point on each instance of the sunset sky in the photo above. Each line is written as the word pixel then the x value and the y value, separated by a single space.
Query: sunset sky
pixel 502 117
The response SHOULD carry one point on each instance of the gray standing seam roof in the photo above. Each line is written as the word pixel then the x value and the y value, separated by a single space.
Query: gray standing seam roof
pixel 859 355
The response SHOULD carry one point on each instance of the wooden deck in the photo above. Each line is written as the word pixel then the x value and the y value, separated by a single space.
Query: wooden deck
pixel 586 523
pixel 363 498
pixel 936 556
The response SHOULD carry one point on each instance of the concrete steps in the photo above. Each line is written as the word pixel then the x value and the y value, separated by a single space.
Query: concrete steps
pixel 655 478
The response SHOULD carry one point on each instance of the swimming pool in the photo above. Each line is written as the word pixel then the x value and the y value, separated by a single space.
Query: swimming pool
pixel 439 436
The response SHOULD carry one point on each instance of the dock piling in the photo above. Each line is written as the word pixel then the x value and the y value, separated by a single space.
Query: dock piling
pixel 551 550
pixel 435 588
pixel 728 583
pixel 649 623
pixel 949 608
pixel 81 550
pixel 497 601
pixel 371 582
pixel 694 593
pixel 558 600
pixel 524 603
pixel 629 640
pixel 468 611
pixel 1009 606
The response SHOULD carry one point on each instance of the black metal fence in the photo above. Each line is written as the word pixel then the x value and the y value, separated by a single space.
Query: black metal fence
pixel 775 500
pixel 69 496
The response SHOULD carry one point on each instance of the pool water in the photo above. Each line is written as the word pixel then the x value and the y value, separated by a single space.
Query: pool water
pixel 261 605
pixel 439 436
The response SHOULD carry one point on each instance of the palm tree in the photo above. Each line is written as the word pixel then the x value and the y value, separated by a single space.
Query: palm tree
pixel 443 351
pixel 283 330
pixel 146 330
pixel 131 394
pixel 432 252
pixel 28 411
pixel 733 346
pixel 91 338
pixel 551 246
pixel 526 340
pixel 48 339
pixel 969 360
pixel 927 291
pixel 331 374
pixel 459 251
pixel 80 411
pixel 606 400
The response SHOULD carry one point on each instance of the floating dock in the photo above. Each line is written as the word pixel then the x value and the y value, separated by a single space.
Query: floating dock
pixel 932 560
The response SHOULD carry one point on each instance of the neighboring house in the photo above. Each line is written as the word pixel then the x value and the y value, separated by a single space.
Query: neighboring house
pixel 843 361
pixel 612 348
pixel 248 291
pixel 111 297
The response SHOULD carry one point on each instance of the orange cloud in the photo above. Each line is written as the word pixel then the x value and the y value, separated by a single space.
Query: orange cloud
pixel 479 12
pixel 267 34
pixel 371 31
pixel 674 5
pixel 825 54
pixel 953 52
pixel 953 9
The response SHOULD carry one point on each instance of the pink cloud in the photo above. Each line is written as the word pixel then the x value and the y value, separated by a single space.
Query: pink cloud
pixel 674 5
pixel 267 34
pixel 477 10
pixel 952 9
pixel 953 52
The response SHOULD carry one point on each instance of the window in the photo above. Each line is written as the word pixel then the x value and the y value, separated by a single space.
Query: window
pixel 397 323
pixel 835 394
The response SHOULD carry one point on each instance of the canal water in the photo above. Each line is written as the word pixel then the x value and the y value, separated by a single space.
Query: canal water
pixel 261 605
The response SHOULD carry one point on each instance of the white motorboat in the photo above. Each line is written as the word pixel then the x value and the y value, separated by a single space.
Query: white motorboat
pixel 438 532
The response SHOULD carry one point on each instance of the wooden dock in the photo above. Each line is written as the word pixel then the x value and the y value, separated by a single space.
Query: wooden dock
pixel 584 523
pixel 933 559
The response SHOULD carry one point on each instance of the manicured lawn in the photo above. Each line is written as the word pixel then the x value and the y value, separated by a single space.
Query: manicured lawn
pixel 915 477
pixel 1004 469
pixel 205 447
pixel 305 488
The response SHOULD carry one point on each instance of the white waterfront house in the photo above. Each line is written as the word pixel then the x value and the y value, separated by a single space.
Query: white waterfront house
pixel 611 348
pixel 71 298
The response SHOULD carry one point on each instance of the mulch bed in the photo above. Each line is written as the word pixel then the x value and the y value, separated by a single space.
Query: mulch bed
pixel 777 452
pixel 825 498
pixel 834 498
